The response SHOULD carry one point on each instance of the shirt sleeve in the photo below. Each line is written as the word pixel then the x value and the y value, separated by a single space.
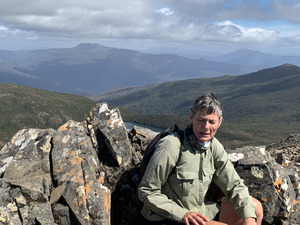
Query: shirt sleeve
pixel 157 172
pixel 232 185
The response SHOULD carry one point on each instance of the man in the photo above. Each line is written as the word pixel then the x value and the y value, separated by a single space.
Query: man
pixel 175 183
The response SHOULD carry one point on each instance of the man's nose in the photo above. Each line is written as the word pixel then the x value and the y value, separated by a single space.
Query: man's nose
pixel 206 123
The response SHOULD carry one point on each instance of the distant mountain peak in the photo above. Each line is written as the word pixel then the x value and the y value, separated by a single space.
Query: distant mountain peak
pixel 288 65
pixel 245 52
pixel 88 46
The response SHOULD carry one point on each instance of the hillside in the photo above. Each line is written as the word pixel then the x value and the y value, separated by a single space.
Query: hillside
pixel 259 108
pixel 26 107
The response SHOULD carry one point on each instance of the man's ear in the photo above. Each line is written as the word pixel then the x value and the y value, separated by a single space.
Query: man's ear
pixel 221 120
pixel 191 117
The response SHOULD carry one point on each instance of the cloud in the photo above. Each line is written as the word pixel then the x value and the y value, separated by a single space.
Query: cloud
pixel 7 33
pixel 165 11
pixel 287 10
pixel 236 32
pixel 189 20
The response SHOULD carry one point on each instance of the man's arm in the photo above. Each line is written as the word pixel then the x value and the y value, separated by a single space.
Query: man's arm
pixel 158 171
pixel 232 185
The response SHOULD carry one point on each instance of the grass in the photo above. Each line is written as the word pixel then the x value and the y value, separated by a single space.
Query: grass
pixel 26 107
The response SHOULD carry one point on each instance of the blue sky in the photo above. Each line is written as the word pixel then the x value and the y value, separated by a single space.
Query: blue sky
pixel 165 26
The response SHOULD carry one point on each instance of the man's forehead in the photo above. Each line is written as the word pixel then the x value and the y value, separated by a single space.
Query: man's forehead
pixel 203 113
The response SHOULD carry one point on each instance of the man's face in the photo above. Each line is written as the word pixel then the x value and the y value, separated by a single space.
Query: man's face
pixel 205 126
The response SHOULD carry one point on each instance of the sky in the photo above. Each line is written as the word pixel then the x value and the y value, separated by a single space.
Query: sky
pixel 158 26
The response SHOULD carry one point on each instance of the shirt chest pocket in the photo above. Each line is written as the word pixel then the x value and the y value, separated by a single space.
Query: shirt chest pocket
pixel 188 182
pixel 206 176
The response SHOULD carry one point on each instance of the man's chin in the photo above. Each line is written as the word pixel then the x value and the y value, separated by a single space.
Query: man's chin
pixel 204 139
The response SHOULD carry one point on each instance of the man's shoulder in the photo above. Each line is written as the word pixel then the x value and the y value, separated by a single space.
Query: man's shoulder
pixel 172 139
pixel 216 144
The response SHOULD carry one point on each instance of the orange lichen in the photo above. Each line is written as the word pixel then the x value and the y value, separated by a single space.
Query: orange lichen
pixel 88 188
pixel 63 127
pixel 101 178
pixel 72 172
pixel 76 160
pixel 109 121
pixel 106 200
pixel 68 152
pixel 79 179
pixel 278 184
pixel 91 112
pixel 81 200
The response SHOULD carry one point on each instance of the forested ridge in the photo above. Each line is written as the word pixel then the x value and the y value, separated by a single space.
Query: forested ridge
pixel 259 108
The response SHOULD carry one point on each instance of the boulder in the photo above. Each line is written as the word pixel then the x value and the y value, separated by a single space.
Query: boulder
pixel 270 183
pixel 63 176
pixel 111 134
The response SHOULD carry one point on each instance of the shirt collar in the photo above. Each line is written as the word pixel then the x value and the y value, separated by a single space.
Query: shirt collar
pixel 194 141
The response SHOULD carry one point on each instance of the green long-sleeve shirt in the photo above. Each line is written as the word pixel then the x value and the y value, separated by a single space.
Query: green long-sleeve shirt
pixel 169 194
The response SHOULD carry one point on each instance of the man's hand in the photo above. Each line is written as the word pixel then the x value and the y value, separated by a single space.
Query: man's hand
pixel 249 221
pixel 194 218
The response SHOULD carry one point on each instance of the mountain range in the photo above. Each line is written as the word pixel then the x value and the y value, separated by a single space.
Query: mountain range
pixel 93 68
pixel 261 107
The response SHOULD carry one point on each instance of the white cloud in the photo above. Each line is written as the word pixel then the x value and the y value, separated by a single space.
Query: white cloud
pixel 15 33
pixel 165 11
pixel 236 32
pixel 2 28
pixel 177 21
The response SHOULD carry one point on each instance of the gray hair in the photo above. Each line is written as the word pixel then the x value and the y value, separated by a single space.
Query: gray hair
pixel 207 102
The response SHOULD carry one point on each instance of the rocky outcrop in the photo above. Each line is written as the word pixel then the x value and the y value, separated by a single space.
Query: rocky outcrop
pixel 276 186
pixel 64 176
pixel 83 173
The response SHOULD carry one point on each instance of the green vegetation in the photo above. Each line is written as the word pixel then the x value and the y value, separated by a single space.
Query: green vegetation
pixel 259 108
pixel 26 107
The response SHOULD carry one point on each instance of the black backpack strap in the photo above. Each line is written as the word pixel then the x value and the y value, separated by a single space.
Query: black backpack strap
pixel 181 139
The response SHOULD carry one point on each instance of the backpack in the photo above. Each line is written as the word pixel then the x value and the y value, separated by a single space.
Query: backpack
pixel 151 147
pixel 127 206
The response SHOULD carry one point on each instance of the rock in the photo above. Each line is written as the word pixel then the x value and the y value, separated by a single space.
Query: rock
pixel 76 167
pixel 64 176
pixel 62 215
pixel 110 131
pixel 269 182
pixel 287 153
pixel 32 163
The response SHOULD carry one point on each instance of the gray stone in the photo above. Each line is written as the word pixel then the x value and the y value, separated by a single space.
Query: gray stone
pixel 111 133
pixel 42 213
pixel 32 165
pixel 61 214
pixel 8 207
pixel 76 167
pixel 267 181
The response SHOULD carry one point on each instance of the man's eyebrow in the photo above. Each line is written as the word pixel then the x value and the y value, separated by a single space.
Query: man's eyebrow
pixel 204 117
